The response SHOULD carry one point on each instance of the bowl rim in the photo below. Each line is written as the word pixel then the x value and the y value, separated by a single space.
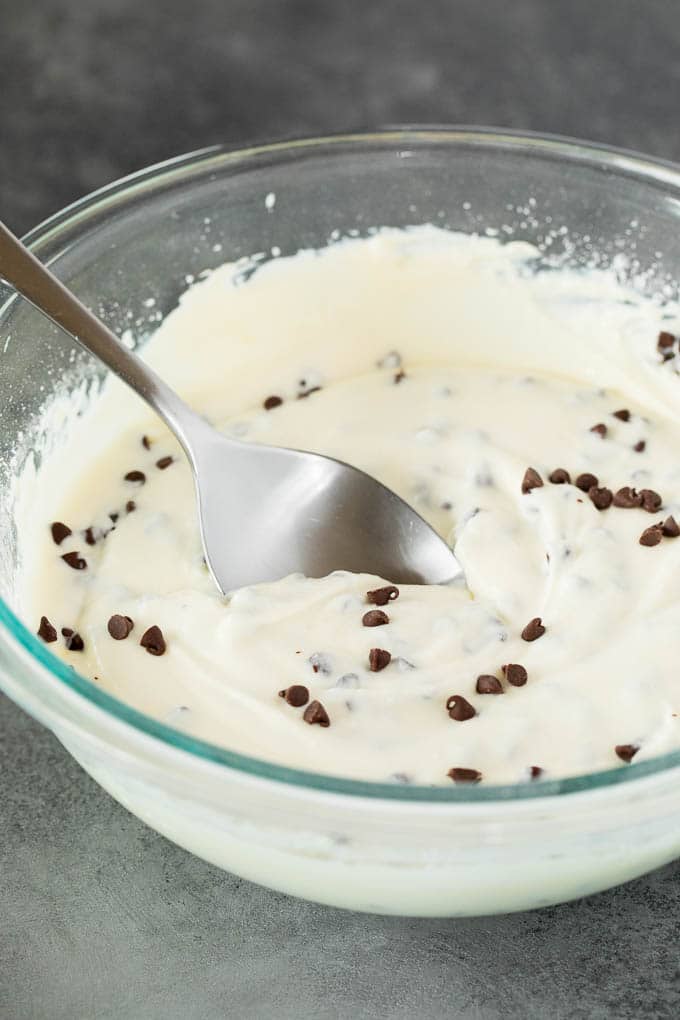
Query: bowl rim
pixel 157 175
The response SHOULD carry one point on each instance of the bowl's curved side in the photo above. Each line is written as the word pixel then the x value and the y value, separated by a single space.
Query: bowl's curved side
pixel 415 858
pixel 453 862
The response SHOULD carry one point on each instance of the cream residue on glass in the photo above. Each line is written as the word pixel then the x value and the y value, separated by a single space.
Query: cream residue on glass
pixel 443 366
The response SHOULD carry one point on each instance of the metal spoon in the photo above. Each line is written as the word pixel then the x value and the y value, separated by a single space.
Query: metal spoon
pixel 264 511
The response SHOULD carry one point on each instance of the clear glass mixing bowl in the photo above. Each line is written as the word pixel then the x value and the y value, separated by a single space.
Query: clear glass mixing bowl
pixel 369 846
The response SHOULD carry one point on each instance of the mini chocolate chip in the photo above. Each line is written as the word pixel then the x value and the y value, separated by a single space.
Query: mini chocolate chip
pixel 72 640
pixel 146 442
pixel 600 428
pixel 586 481
pixel 399 376
pixel 153 640
pixel 640 446
pixel 515 674
pixel 626 752
pixel 535 771
pixel 651 501
pixel 46 631
pixel 664 341
pixel 59 531
pixel 600 498
pixel 135 476
pixel 560 477
pixel 652 536
pixel 297 695
pixel 627 498
pixel 74 560
pixel 531 480
pixel 378 658
pixel 114 517
pixel 316 714
pixel 375 618
pixel 89 536
pixel 533 630
pixel 487 684
pixel 119 626
pixel 464 775
pixel 381 596
pixel 622 415
pixel 308 393
pixel 271 402
pixel 164 462
pixel 459 708
pixel 130 506
pixel 670 527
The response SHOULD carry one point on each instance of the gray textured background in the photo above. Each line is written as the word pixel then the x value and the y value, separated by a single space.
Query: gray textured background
pixel 100 917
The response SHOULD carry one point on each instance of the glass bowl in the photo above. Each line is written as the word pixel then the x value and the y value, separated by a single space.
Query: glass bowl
pixel 367 846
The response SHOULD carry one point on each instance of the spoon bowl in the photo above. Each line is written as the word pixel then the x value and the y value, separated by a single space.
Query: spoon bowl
pixel 265 511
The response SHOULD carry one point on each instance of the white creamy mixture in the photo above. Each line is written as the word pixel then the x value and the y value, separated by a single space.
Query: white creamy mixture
pixel 446 369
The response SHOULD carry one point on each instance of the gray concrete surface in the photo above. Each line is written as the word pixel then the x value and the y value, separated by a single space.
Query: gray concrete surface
pixel 100 917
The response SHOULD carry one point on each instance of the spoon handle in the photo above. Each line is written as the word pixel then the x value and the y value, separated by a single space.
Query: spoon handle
pixel 22 270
